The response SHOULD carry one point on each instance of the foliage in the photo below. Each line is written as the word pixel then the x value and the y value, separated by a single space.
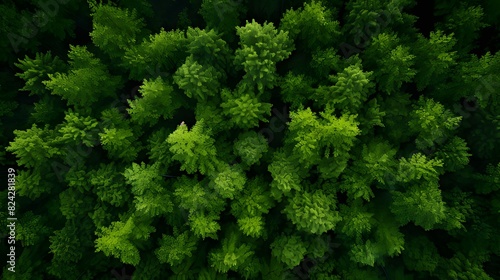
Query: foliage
pixel 383 165
pixel 261 47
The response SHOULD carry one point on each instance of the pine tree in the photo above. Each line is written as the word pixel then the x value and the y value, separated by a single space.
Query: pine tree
pixel 177 247
pixel 435 58
pixel 114 29
pixel 161 55
pixel 432 121
pixel 296 89
pixel 158 100
pixel 250 147
pixel 313 25
pixel 313 212
pixel 229 181
pixel 34 146
pixel 223 16
pixel 194 149
pixel 232 255
pixel 208 48
pixel 286 175
pixel 349 89
pixel 37 70
pixel 78 129
pixel 261 47
pixel 150 196
pixel 421 204
pixel 465 22
pixel 244 110
pixel 290 250
pixel 249 207
pixel 393 62
pixel 87 81
pixel 108 184
pixel 197 80
pixel 120 239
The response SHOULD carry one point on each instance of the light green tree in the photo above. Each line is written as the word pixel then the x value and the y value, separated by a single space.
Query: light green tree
pixel 87 81
pixel 158 100
pixel 114 29
pixel 194 148
pixel 314 212
pixel 261 47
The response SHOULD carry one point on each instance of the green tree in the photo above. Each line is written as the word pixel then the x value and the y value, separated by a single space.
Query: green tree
pixel 229 181
pixel 392 60
pixel 122 238
pixel 432 122
pixel 34 146
pixel 290 250
pixel 197 80
pixel 208 48
pixel 150 196
pixel 313 25
pixel 108 184
pixel 114 29
pixel 162 54
pixel 296 89
pixel 177 247
pixel 37 70
pixel 435 58
pixel 249 207
pixel 465 22
pixel 244 110
pixel 313 212
pixel 232 255
pixel 286 175
pixel 158 100
pixel 250 147
pixel 349 89
pixel 194 149
pixel 421 204
pixel 78 129
pixel 87 81
pixel 223 16
pixel 261 47
pixel 357 220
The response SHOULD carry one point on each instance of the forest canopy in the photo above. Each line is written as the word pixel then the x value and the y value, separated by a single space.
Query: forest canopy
pixel 236 139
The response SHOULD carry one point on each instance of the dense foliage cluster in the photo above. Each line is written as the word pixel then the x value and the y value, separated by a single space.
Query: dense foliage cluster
pixel 236 139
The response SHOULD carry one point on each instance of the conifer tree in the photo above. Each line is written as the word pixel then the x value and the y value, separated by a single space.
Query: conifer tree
pixel 197 80
pixel 150 196
pixel 34 146
pixel 435 58
pixel 158 100
pixel 393 61
pixel 313 212
pixel 87 81
pixel 162 54
pixel 250 146
pixel 223 16
pixel 120 239
pixel 312 25
pixel 261 47
pixel 36 70
pixel 290 250
pixel 432 121
pixel 244 110
pixel 194 148
pixel 176 248
pixel 348 91
pixel 114 29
